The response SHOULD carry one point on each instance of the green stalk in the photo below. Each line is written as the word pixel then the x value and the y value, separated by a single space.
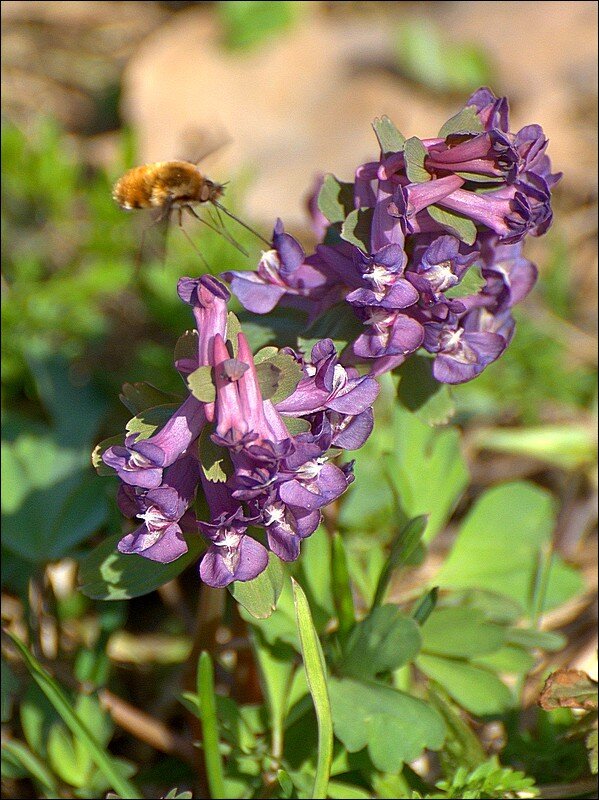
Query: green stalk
pixel 207 702
pixel 315 667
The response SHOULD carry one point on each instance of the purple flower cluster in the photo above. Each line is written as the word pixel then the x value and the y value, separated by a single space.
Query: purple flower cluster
pixel 441 264
pixel 267 478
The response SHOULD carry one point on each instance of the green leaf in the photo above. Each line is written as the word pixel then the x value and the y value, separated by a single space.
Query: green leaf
pixel 476 177
pixel 415 155
pixel 471 283
pixel 461 632
pixel 428 469
pixel 335 199
pixel 233 330
pixel 214 460
pixel 592 745
pixel 356 228
pixel 259 597
pixel 390 139
pixel 148 421
pixel 476 689
pixel 462 746
pixel 59 502
pixel 404 544
pixel 139 396
pixel 186 349
pixel 461 226
pixel 439 64
pixel 422 394
pixel 531 638
pixel 276 664
pixel 79 729
pixel 201 384
pixel 507 660
pixel 106 574
pixel 315 668
pixel 62 757
pixel 395 726
pixel 278 376
pixel 383 641
pixel 498 547
pixel 296 425
pixel 285 783
pixel 338 324
pixel 465 121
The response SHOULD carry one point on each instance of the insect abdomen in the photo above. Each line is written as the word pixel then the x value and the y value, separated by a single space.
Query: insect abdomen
pixel 152 185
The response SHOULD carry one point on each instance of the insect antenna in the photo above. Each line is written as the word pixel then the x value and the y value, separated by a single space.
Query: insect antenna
pixel 220 230
pixel 241 222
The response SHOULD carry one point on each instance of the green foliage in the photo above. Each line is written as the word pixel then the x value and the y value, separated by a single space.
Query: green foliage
pixel 390 139
pixel 425 56
pixel 77 752
pixel 415 154
pixel 259 596
pixel 106 574
pixel 488 780
pixel 395 726
pixel 249 23
pixel 500 557
pixel 356 228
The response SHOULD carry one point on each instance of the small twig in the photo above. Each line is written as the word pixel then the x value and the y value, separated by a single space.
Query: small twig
pixel 145 727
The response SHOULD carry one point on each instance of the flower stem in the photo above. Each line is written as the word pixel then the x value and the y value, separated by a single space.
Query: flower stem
pixel 207 699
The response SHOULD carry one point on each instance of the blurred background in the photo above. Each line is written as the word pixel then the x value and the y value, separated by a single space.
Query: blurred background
pixel 290 89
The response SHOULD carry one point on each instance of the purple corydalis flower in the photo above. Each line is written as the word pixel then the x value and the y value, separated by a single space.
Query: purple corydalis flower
pixel 284 270
pixel 208 298
pixel 239 403
pixel 462 353
pixel 438 267
pixel 307 478
pixel 232 554
pixel 141 463
pixel 388 333
pixel 163 511
pixel 382 274
pixel 328 385
pixel 490 154
pixel 286 526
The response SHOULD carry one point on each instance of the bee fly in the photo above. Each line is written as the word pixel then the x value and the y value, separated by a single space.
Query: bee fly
pixel 167 186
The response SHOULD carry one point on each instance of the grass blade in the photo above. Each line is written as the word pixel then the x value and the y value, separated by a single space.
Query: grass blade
pixel 317 683
pixel 78 728
pixel 207 700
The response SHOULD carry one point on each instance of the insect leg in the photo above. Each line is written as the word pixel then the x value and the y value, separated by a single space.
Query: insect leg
pixel 241 222
pixel 221 230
